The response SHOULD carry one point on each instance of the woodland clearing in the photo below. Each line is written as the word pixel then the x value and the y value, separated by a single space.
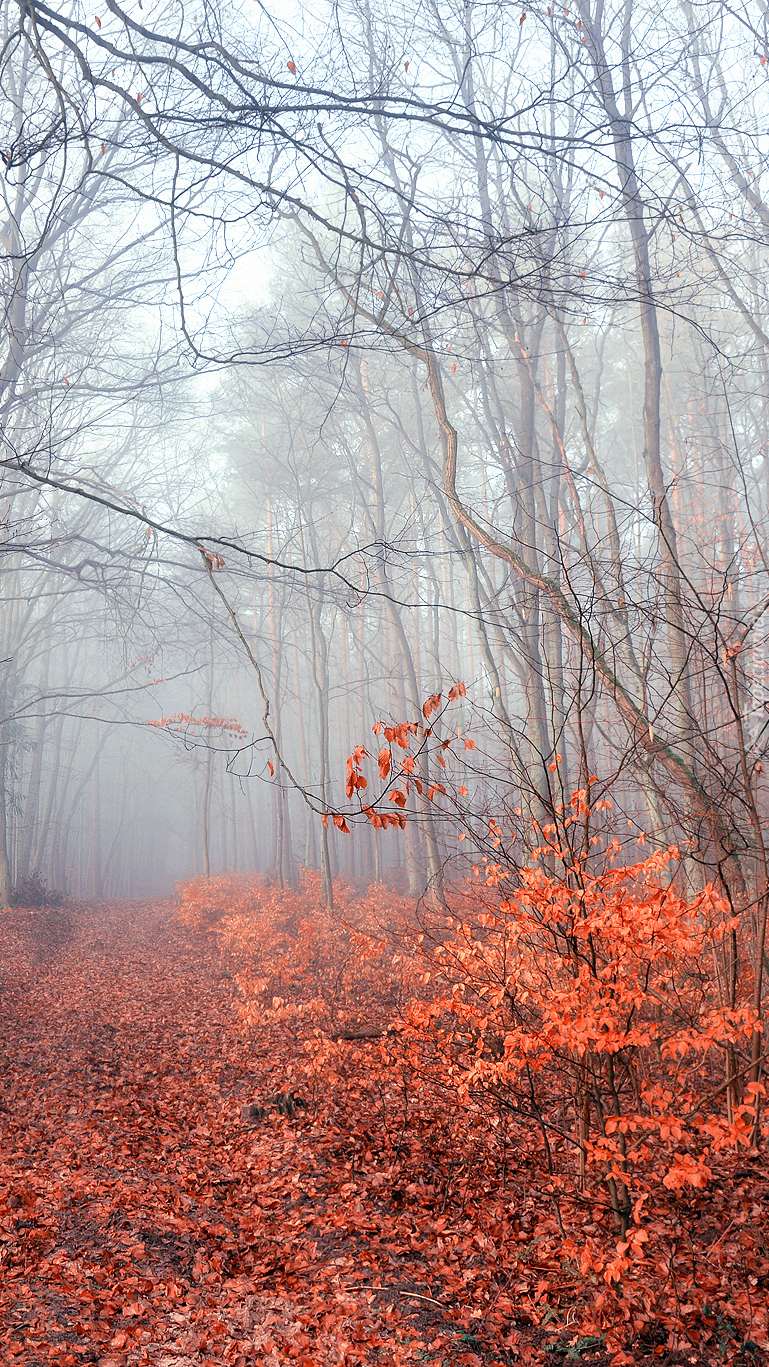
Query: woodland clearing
pixel 142 1222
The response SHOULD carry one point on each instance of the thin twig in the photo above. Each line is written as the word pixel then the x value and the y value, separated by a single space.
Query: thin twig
pixel 724 1085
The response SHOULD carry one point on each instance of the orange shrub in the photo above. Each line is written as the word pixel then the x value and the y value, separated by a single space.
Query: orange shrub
pixel 569 1036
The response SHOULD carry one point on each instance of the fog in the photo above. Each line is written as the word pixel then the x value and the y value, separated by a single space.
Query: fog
pixel 352 356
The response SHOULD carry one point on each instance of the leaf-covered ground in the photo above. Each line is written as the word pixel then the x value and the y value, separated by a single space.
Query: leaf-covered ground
pixel 140 1221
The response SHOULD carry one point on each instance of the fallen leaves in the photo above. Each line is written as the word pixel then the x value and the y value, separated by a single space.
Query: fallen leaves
pixel 389 1222
pixel 138 1224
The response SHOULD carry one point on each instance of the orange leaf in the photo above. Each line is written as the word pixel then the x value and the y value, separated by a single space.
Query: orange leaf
pixel 271 767
pixel 457 690
pixel 400 734
pixel 291 68
pixel 431 705
pixel 469 744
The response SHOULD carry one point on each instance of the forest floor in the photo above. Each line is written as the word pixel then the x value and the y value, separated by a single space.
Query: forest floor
pixel 141 1222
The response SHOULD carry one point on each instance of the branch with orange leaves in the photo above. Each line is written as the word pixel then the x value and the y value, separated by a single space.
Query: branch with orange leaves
pixel 183 722
pixel 400 735
pixel 355 779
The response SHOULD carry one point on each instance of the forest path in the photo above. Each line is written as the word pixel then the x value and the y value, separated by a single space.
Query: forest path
pixel 121 1071
pixel 139 1222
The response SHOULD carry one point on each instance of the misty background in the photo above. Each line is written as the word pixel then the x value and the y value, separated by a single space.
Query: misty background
pixel 249 317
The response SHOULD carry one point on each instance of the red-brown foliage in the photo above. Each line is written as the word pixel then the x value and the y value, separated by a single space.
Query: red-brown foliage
pixel 445 1195
pixel 558 1053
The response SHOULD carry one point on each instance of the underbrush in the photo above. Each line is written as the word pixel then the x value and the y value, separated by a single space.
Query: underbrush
pixel 547 1066
pixel 33 891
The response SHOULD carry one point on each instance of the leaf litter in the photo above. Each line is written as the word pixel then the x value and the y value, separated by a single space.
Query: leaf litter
pixel 142 1222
